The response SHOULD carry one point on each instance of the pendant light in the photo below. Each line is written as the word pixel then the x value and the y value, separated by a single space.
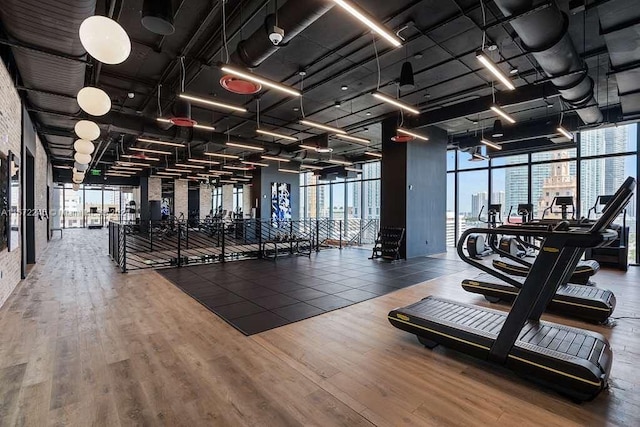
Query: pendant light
pixel 80 167
pixel 83 146
pixel 87 130
pixel 105 40
pixel 94 101
pixel 157 17
pixel 497 132
pixel 407 81
pixel 84 159
pixel 76 187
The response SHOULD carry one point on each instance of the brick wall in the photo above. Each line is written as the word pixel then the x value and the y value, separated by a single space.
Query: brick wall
pixel 155 188
pixel 181 197
pixel 246 200
pixel 10 139
pixel 205 200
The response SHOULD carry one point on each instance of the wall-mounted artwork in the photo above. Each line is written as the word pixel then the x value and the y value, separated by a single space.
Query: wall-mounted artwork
pixel 280 203
pixel 13 166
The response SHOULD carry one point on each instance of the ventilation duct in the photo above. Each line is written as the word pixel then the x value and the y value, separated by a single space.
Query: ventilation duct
pixel 620 26
pixel 544 34
pixel 294 17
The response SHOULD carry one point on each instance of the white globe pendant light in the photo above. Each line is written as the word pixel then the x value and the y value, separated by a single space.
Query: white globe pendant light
pixel 105 40
pixel 80 167
pixel 85 159
pixel 78 176
pixel 86 129
pixel 83 146
pixel 76 187
pixel 94 101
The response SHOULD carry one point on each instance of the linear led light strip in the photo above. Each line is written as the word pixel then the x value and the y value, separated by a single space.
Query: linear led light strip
pixel 489 65
pixel 236 168
pixel 176 170
pixel 126 168
pixel 184 165
pixel 413 134
pixel 276 159
pixel 479 156
pixel 373 154
pixel 213 103
pixel 169 173
pixel 499 111
pixel 154 141
pixel 245 146
pixel 117 174
pixel 204 162
pixel 369 22
pixel 266 165
pixel 395 102
pixel 312 167
pixel 322 126
pixel 240 178
pixel 353 138
pixel 491 144
pixel 288 170
pixel 308 147
pixel 261 80
pixel 121 163
pixel 276 135
pixel 205 127
pixel 227 181
pixel 62 167
pixel 148 150
pixel 565 132
pixel 353 170
pixel 131 156
pixel 224 156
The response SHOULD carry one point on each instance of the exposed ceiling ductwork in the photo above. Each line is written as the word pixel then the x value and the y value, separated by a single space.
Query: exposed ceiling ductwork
pixel 294 17
pixel 620 26
pixel 544 33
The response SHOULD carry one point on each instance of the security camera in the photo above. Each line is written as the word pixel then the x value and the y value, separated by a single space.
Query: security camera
pixel 276 35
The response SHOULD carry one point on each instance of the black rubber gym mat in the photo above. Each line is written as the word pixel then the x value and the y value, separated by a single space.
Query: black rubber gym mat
pixel 257 295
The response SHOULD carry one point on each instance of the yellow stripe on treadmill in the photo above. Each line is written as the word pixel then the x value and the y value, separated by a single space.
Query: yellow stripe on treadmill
pixel 565 374
pixel 438 333
pixel 599 383
pixel 477 285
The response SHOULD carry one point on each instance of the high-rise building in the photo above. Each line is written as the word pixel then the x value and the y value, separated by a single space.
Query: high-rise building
pixel 478 201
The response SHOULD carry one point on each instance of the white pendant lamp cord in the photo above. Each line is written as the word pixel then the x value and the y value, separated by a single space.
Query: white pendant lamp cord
pixel 159 100
pixel 258 112
pixel 182 72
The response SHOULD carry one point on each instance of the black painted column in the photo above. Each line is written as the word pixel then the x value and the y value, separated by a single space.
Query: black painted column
pixel 414 189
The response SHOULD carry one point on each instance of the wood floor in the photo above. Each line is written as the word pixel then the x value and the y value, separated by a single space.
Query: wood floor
pixel 82 344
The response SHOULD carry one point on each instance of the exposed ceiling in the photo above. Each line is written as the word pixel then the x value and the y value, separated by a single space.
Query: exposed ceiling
pixel 453 90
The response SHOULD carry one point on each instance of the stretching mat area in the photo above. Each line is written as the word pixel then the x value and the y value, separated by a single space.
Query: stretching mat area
pixel 257 295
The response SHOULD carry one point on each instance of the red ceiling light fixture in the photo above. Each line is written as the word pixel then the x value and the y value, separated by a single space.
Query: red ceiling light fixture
pixel 402 138
pixel 240 86
pixel 182 107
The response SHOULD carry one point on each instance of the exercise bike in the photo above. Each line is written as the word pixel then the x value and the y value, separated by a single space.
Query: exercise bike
pixel 477 246
pixel 514 244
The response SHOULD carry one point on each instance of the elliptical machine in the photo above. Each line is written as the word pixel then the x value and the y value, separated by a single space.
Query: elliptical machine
pixel 477 246
pixel 515 245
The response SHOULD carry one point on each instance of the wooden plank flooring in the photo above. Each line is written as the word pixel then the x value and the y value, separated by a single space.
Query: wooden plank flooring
pixel 82 344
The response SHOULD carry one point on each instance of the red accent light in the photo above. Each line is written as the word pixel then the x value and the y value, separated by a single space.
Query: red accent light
pixel 239 86
pixel 402 138
pixel 183 122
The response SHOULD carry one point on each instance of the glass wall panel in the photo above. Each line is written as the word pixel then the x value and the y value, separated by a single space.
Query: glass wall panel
pixel 451 160
pixel 551 180
pixel 354 199
pixel 509 188
pixel 618 139
pixel 371 199
pixel 73 207
pixel 472 197
pixel 323 195
pixel 338 200
pixel 510 160
pixel 111 206
pixel 547 156
pixel 93 206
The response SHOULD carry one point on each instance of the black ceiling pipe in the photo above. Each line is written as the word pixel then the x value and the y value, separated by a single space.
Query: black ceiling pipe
pixel 293 18
pixel 544 34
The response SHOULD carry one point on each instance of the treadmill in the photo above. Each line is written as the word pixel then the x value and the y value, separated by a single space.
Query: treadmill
pixel 573 361
pixel 584 302
pixel 521 267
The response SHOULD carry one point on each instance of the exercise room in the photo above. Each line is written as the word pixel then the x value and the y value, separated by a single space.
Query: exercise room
pixel 319 212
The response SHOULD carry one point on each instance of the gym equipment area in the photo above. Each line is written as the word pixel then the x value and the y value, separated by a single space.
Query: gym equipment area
pixel 319 213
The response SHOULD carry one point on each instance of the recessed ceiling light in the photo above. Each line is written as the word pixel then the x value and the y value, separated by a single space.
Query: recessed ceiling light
pixel 368 113
pixel 345 87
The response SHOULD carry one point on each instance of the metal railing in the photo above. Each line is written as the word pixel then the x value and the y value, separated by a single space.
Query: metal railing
pixel 172 243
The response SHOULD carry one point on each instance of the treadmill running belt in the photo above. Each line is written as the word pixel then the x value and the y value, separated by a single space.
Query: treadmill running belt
pixel 584 302
pixel 581 275
pixel 573 361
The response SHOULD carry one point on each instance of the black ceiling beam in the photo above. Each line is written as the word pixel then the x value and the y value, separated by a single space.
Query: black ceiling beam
pixel 25 46
pixel 523 95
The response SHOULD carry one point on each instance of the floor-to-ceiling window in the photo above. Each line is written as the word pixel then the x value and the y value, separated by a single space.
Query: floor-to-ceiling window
pixel 601 161
pixel 238 194
pixel 92 205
